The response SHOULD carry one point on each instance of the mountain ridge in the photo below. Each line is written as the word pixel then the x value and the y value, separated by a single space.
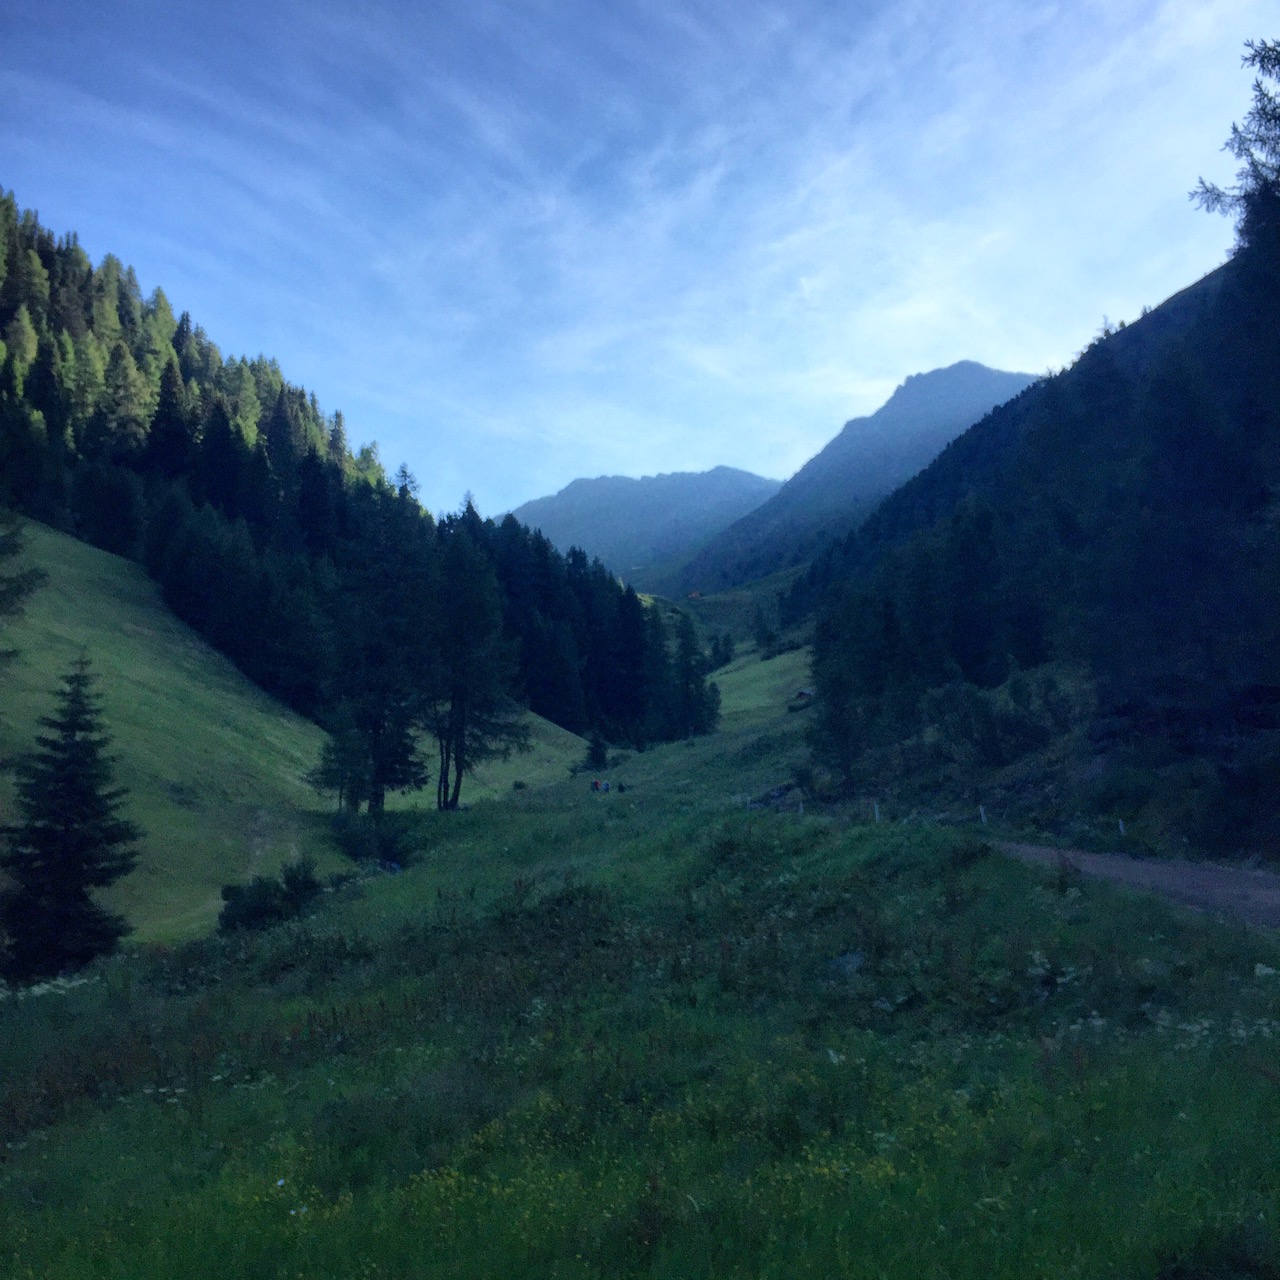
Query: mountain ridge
pixel 841 484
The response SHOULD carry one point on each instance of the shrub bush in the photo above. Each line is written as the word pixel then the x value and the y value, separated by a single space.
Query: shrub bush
pixel 264 902
pixel 388 840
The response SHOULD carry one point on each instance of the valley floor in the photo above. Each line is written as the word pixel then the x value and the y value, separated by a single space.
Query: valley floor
pixel 652 1033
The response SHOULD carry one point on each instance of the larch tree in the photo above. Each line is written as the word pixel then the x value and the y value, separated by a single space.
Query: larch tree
pixel 1255 142
pixel 472 715
pixel 118 430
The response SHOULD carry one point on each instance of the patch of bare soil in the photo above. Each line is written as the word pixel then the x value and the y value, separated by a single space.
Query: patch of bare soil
pixel 1251 894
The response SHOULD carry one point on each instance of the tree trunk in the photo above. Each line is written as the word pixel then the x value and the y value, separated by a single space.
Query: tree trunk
pixel 442 777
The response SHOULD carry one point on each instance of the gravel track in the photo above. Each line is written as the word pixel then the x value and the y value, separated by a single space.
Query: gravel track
pixel 1249 893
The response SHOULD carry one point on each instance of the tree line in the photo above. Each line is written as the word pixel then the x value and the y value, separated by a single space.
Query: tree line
pixel 321 577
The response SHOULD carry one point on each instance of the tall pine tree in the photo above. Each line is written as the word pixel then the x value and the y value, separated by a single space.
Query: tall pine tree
pixel 70 839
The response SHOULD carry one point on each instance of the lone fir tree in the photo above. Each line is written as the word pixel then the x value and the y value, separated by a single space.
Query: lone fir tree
pixel 70 839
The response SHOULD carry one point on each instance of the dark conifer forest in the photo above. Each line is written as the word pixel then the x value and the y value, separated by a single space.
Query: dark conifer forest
pixel 1100 556
pixel 324 580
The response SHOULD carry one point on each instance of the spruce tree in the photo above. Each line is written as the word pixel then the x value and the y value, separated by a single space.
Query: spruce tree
pixel 171 444
pixel 70 839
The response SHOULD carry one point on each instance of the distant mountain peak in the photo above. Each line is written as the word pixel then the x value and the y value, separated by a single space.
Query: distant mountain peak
pixel 727 526
pixel 838 488
pixel 632 524
pixel 946 385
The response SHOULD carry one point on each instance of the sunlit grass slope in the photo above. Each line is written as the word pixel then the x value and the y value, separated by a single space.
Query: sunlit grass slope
pixel 213 766
pixel 759 741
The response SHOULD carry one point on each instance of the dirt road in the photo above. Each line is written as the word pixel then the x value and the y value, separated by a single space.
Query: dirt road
pixel 1253 895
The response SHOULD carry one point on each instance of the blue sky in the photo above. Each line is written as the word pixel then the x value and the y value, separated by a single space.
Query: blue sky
pixel 521 242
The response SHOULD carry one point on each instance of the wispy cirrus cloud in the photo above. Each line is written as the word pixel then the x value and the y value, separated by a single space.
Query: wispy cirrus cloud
pixel 523 242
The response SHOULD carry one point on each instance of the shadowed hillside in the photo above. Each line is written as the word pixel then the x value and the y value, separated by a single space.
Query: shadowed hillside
pixel 1074 608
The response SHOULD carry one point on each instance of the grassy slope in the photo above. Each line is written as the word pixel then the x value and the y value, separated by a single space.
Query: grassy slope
pixel 771 1047
pixel 213 766
pixel 758 743
pixel 734 610
pixel 552 752
pixel 557 827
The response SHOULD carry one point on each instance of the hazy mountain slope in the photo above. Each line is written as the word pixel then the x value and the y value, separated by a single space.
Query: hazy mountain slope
pixel 976 457
pixel 840 486
pixel 632 524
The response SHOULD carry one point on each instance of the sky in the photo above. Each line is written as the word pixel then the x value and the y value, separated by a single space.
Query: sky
pixel 517 242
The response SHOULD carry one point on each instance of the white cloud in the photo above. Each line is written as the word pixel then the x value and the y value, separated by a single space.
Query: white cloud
pixel 521 242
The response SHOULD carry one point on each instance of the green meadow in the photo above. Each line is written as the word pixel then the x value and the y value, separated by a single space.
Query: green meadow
pixel 653 1032
pixel 734 610
pixel 607 1041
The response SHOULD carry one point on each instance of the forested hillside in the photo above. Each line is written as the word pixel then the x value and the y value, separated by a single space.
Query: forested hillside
pixel 1096 563
pixel 320 578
